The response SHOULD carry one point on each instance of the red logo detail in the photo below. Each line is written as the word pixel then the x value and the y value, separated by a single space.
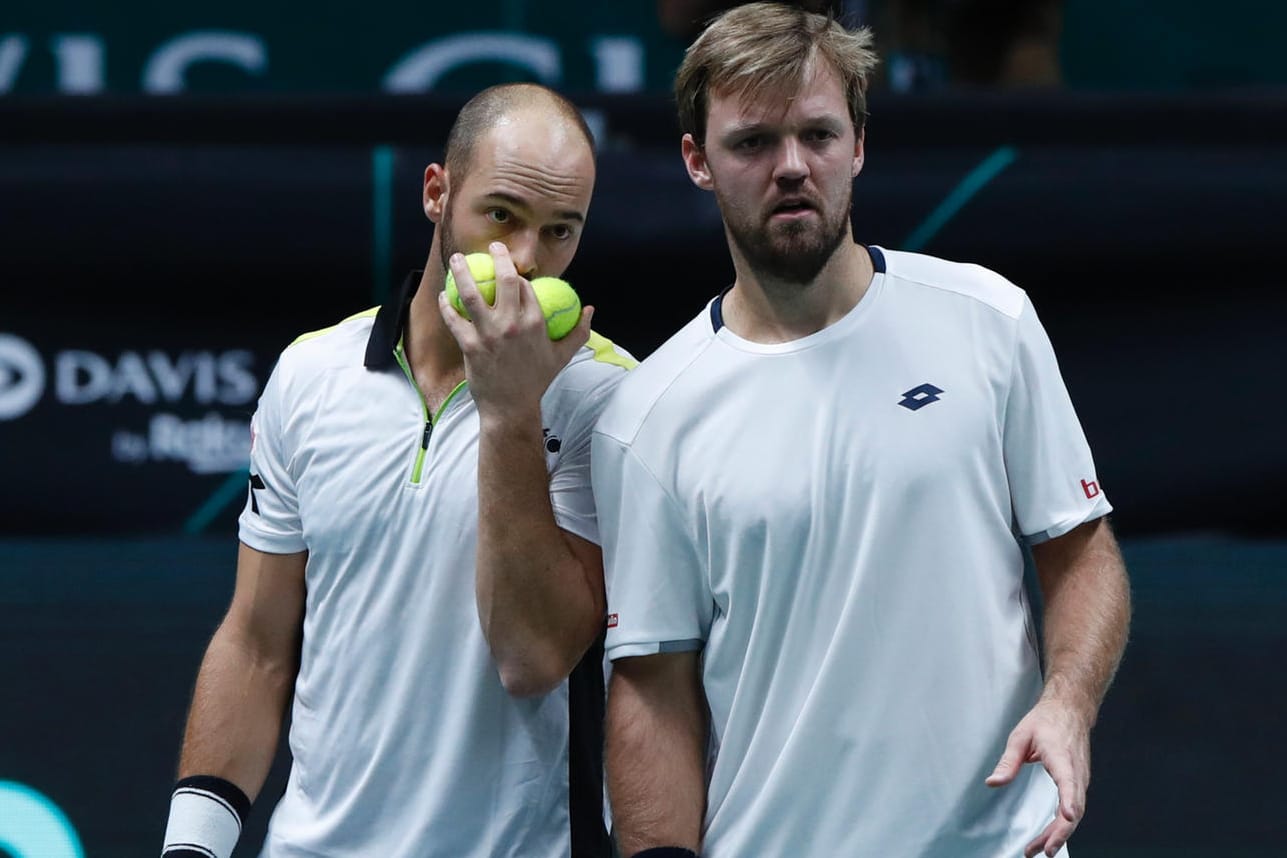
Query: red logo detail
pixel 612 621
pixel 1090 488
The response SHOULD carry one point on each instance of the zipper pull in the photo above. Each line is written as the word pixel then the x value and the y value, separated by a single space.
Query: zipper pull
pixel 424 442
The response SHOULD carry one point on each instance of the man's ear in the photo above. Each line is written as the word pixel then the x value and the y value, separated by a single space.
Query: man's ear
pixel 434 196
pixel 858 150
pixel 695 161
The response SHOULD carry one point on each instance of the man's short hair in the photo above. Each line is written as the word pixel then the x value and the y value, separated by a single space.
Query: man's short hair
pixel 769 46
pixel 485 110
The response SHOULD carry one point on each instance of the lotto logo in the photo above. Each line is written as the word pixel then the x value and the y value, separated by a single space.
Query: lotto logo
pixel 1090 488
pixel 920 396
pixel 612 621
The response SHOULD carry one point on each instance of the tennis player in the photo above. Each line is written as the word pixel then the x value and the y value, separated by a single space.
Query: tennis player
pixel 815 501
pixel 419 572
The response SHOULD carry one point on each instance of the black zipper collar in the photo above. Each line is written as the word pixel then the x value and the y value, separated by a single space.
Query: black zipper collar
pixel 390 323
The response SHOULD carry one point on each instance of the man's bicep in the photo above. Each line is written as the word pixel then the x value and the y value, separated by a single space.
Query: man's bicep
pixel 672 676
pixel 659 597
pixel 270 518
pixel 267 608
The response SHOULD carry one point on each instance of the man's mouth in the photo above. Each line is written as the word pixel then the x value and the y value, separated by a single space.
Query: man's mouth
pixel 791 208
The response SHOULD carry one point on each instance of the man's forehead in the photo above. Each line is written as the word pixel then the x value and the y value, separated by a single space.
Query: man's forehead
pixel 819 94
pixel 774 109
pixel 532 176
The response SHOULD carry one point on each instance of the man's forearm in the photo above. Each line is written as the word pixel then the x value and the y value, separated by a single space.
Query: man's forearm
pixel 539 605
pixel 656 741
pixel 1087 611
pixel 234 723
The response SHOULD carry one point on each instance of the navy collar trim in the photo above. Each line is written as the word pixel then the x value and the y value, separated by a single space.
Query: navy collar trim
pixel 717 306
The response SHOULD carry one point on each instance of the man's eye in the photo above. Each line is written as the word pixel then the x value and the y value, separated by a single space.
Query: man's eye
pixel 498 216
pixel 755 141
pixel 561 231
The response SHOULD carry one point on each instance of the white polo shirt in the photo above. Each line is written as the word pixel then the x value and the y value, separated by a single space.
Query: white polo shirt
pixel 405 743
pixel 832 522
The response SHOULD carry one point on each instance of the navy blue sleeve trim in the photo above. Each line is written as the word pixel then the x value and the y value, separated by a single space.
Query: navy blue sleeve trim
pixel 666 852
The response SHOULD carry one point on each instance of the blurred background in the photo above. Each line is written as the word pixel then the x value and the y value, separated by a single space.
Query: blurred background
pixel 184 188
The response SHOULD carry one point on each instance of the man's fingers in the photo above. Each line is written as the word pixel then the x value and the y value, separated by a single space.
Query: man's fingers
pixel 1072 793
pixel 503 262
pixel 457 325
pixel 1072 807
pixel 575 338
pixel 1016 751
pixel 509 283
pixel 1051 840
pixel 470 297
pixel 1037 845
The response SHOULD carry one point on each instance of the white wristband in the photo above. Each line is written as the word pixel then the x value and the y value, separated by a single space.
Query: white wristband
pixel 205 818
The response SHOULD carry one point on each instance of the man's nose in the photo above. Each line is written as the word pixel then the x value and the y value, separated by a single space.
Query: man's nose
pixel 791 165
pixel 522 250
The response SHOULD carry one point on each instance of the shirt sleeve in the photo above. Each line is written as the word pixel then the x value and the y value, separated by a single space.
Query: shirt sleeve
pixel 571 494
pixel 1053 484
pixel 270 521
pixel 659 595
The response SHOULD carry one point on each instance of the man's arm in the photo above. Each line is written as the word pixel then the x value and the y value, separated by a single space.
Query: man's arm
pixel 247 674
pixel 539 588
pixel 656 751
pixel 1086 597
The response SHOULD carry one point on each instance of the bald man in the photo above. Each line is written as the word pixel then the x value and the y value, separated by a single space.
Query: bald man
pixel 419 568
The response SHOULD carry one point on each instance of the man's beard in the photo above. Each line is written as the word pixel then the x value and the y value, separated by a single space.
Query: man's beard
pixel 447 243
pixel 790 253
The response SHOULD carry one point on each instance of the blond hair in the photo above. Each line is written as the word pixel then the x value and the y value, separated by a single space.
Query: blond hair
pixel 769 46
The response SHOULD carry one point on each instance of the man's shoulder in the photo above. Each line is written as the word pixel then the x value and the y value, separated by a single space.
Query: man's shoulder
pixel 594 370
pixel 603 357
pixel 340 345
pixel 963 279
pixel 640 391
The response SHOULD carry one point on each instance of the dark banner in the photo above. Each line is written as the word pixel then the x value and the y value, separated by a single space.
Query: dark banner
pixel 148 287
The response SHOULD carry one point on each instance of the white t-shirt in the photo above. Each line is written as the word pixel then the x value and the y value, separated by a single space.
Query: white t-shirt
pixel 405 743
pixel 833 521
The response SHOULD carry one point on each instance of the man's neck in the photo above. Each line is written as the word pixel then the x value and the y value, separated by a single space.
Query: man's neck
pixel 432 352
pixel 763 310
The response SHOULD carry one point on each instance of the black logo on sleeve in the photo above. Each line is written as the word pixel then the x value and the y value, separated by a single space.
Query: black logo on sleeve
pixel 256 482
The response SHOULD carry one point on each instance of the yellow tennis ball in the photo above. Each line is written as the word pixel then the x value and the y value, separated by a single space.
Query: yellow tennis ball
pixel 483 270
pixel 560 304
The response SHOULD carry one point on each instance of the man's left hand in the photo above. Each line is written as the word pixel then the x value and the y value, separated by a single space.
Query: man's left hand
pixel 1053 735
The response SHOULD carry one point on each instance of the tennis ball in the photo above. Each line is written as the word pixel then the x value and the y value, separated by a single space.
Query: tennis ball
pixel 560 304
pixel 483 270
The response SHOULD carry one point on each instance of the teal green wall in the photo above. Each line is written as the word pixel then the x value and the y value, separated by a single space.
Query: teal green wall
pixel 1174 44
pixel 327 46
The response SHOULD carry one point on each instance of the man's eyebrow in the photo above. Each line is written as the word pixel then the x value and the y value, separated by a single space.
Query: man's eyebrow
pixel 516 202
pixel 825 120
pixel 743 128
